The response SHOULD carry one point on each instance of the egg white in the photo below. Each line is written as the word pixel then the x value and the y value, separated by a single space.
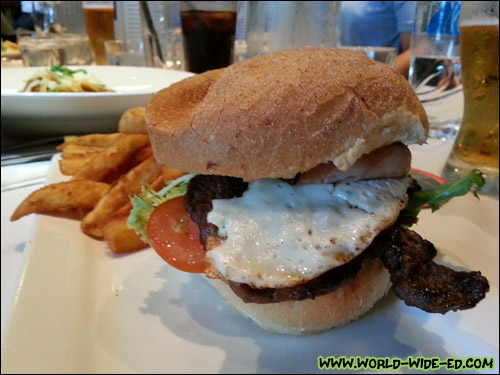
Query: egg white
pixel 279 235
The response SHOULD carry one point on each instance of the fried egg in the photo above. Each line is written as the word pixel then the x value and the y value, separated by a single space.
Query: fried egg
pixel 279 235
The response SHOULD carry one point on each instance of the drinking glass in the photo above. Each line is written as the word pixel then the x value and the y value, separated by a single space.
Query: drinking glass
pixel 54 49
pixel 125 52
pixel 386 55
pixel 208 30
pixel 476 145
pixel 162 35
pixel 99 22
pixel 278 25
pixel 43 16
pixel 435 65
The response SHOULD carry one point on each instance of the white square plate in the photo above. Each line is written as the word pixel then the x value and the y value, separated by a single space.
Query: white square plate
pixel 81 309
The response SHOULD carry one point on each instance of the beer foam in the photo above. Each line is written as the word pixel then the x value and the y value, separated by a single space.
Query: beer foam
pixel 479 13
pixel 98 5
pixel 480 21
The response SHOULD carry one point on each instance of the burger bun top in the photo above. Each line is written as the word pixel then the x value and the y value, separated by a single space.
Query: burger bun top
pixel 280 114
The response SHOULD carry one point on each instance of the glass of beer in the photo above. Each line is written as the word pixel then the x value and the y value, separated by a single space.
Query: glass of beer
pixel 476 145
pixel 208 29
pixel 99 22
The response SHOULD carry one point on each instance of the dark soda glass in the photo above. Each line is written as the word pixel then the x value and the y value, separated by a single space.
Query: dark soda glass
pixel 208 39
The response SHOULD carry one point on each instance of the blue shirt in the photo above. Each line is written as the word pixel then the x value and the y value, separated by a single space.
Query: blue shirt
pixel 376 23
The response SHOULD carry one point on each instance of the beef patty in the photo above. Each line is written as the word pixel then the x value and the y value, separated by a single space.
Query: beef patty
pixel 416 278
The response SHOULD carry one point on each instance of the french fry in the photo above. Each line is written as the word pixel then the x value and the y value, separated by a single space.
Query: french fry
pixel 132 121
pixel 94 160
pixel 84 155
pixel 124 210
pixel 142 154
pixel 69 166
pixel 158 184
pixel 67 140
pixel 112 158
pixel 120 238
pixel 95 140
pixel 72 149
pixel 118 196
pixel 71 198
pixel 170 174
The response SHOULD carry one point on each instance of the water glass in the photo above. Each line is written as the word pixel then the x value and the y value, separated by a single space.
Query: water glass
pixel 125 52
pixel 161 33
pixel 54 49
pixel 386 55
pixel 278 25
pixel 435 65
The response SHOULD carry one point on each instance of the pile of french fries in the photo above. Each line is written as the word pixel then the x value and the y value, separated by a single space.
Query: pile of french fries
pixel 105 170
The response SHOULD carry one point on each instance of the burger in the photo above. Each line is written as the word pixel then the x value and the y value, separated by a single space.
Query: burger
pixel 297 201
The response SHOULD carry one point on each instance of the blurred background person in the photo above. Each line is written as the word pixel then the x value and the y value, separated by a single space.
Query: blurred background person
pixel 25 19
pixel 11 11
pixel 379 24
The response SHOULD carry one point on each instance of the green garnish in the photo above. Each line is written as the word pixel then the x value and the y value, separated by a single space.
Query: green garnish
pixel 3 47
pixel 144 204
pixel 436 197
pixel 66 71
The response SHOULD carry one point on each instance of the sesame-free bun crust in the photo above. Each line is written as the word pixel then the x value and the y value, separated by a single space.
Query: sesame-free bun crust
pixel 279 114
pixel 321 314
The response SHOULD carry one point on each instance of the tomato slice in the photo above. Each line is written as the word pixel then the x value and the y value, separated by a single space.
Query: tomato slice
pixel 175 237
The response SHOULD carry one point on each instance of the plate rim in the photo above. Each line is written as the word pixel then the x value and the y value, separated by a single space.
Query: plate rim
pixel 52 95
pixel 34 115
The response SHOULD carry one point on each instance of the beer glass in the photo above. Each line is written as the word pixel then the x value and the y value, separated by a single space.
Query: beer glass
pixel 99 22
pixel 476 145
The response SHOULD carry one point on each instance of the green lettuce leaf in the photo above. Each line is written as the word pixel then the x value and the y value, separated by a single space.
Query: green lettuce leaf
pixel 144 204
pixel 65 71
pixel 436 197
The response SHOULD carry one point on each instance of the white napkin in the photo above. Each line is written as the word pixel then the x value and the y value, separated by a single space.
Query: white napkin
pixel 19 175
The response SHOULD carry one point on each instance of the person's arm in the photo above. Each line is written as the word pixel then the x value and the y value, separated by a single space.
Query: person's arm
pixel 402 64
pixel 405 16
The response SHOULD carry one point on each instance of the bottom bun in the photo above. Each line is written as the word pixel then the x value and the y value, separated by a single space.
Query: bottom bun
pixel 324 312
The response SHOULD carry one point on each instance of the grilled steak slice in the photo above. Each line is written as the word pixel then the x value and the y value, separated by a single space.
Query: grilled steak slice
pixel 421 282
pixel 323 284
pixel 202 189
